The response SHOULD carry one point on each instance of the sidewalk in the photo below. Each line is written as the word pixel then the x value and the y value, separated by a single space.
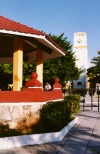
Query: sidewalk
pixel 83 138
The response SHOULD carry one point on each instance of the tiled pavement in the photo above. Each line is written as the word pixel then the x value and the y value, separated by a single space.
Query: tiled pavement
pixel 83 138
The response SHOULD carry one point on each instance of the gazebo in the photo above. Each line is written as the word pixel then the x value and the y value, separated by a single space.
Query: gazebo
pixel 18 42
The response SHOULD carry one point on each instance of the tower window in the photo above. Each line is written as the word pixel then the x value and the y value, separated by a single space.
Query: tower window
pixel 79 83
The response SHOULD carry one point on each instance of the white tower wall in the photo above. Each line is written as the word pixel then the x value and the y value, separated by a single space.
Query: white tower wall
pixel 81 53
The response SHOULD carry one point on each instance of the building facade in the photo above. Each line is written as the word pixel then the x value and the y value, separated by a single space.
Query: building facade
pixel 81 53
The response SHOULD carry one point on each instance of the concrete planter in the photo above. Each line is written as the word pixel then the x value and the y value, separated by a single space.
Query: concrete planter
pixel 17 141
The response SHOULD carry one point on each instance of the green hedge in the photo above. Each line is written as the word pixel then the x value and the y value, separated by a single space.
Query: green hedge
pixel 56 115
pixel 74 101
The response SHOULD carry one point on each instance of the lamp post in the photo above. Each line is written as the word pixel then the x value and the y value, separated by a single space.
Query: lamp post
pixel 98 97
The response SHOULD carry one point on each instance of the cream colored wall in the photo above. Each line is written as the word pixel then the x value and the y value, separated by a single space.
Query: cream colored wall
pixel 17 64
pixel 39 65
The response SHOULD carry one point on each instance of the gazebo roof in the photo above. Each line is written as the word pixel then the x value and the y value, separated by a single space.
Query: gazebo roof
pixel 32 39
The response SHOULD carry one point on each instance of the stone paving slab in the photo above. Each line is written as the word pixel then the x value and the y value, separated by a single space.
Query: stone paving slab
pixel 93 150
pixel 73 149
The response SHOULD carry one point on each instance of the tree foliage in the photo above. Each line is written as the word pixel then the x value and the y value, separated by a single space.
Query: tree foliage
pixel 62 67
pixel 94 71
pixel 27 70
pixel 6 75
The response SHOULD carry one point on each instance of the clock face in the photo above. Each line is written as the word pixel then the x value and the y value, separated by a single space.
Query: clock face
pixel 79 41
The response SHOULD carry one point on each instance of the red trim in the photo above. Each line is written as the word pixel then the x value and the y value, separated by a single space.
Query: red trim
pixel 29 96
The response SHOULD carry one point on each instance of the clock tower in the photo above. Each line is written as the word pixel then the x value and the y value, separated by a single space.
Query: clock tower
pixel 81 53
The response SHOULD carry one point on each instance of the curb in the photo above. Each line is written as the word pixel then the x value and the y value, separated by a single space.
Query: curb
pixel 33 139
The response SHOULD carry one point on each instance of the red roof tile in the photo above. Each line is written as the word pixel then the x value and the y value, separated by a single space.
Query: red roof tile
pixel 8 24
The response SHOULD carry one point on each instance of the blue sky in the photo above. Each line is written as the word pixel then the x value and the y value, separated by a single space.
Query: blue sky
pixel 58 16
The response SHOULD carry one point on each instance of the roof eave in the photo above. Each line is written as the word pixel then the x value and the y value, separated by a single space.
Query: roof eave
pixel 43 37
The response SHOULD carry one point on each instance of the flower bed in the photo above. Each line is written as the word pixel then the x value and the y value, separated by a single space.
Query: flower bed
pixel 18 141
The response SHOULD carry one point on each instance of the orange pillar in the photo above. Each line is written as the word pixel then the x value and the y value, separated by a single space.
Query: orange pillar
pixel 17 64
pixel 39 65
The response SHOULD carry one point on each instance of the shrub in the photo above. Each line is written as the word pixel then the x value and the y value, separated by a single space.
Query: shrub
pixel 6 132
pixel 74 103
pixel 55 115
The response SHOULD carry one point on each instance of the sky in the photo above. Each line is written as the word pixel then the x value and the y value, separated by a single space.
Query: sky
pixel 57 17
